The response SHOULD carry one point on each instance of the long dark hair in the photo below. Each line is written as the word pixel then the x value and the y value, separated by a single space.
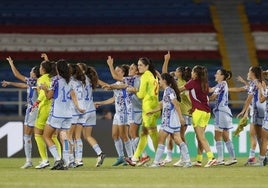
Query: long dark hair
pixel 227 75
pixel 202 75
pixel 63 69
pixel 125 69
pixel 258 73
pixel 36 71
pixel 77 73
pixel 146 61
pixel 172 83
pixel 185 73
pixel 91 73
pixel 49 67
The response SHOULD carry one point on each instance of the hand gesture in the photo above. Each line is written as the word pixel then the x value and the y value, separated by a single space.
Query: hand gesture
pixel 110 61
pixel 240 79
pixel 10 60
pixel 131 89
pixel 107 87
pixel 4 83
pixel 167 56
pixel 81 110
pixel 240 115
pixel 97 104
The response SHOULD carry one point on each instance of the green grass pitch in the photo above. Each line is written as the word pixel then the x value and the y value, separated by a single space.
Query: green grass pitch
pixel 88 176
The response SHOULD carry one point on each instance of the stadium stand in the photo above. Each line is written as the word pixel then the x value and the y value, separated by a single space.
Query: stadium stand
pixel 258 19
pixel 89 31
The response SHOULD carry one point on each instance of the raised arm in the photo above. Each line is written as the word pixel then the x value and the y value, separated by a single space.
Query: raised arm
pixel 110 62
pixel 165 64
pixel 15 71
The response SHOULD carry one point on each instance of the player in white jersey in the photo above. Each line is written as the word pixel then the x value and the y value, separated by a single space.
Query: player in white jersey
pixel 172 120
pixel 263 98
pixel 181 75
pixel 61 94
pixel 77 83
pixel 135 109
pixel 120 128
pixel 257 109
pixel 29 120
pixel 223 117
pixel 90 113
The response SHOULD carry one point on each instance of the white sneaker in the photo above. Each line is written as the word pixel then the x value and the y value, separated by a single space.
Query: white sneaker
pixel 42 165
pixel 28 164
pixel 180 163
pixel 155 165
pixel 218 163
pixel 79 163
pixel 211 163
pixel 187 164
pixel 167 160
pixel 230 162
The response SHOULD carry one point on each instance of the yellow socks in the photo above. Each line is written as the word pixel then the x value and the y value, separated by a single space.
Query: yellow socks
pixel 42 148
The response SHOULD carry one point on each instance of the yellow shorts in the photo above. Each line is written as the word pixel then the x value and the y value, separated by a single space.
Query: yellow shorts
pixel 42 117
pixel 200 118
pixel 150 120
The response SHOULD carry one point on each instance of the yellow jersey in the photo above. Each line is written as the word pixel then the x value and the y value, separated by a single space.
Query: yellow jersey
pixel 43 101
pixel 185 103
pixel 148 91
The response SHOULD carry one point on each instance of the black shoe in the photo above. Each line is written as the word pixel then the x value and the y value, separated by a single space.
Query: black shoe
pixel 100 159
pixel 58 165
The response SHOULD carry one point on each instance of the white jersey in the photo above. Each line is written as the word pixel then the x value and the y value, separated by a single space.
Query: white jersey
pixel 119 96
pixel 170 117
pixel 78 88
pixel 31 92
pixel 258 108
pixel 136 102
pixel 88 93
pixel 61 98
pixel 222 101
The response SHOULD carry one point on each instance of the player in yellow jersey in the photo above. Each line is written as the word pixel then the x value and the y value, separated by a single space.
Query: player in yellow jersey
pixel 148 92
pixel 47 70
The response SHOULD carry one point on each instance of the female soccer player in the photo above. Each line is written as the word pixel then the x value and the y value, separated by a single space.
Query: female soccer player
pixel 60 119
pixel 120 121
pixel 172 120
pixel 90 113
pixel 30 84
pixel 198 87
pixel 258 109
pixel 77 83
pixel 47 70
pixel 148 92
pixel 223 117
pixel 263 98
pixel 182 75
